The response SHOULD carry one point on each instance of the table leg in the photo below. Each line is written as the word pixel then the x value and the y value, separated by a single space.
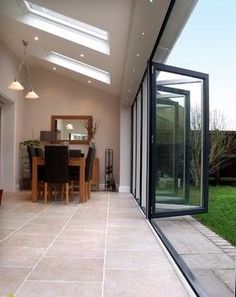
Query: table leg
pixel 82 181
pixel 34 181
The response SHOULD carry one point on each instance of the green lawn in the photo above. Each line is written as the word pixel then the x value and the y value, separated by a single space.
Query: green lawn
pixel 221 216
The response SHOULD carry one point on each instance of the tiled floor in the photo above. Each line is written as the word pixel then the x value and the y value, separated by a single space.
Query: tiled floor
pixel 101 248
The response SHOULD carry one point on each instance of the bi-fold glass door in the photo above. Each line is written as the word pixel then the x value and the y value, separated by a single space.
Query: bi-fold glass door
pixel 178 141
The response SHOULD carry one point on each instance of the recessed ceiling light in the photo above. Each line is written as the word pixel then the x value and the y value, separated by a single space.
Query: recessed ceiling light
pixel 134 70
pixel 143 33
pixel 151 1
pixel 137 55
pixel 36 38
pixel 54 68
pixel 79 67
pixel 89 81
pixel 81 55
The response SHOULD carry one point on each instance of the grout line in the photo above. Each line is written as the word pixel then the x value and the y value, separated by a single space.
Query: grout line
pixel 21 226
pixel 40 259
pixel 63 281
pixel 105 245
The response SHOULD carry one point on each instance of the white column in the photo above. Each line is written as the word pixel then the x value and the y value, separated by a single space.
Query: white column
pixel 125 149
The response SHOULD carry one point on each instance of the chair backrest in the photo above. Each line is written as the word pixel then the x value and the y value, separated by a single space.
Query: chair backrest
pixel 89 163
pixel 75 153
pixel 56 164
pixel 31 153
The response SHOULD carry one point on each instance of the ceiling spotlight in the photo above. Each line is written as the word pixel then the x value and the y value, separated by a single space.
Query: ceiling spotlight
pixel 81 55
pixel 128 90
pixel 36 38
pixel 143 33
pixel 137 55
pixel 89 81
pixel 134 70
pixel 54 68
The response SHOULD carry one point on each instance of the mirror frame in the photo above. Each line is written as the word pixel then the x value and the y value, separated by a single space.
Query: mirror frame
pixel 72 117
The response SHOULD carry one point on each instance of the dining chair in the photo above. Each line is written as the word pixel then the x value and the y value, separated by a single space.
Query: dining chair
pixel 89 170
pixel 32 152
pixel 56 169
pixel 74 171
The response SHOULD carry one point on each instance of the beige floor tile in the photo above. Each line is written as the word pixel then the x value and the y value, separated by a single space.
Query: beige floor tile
pixel 142 283
pixel 11 223
pixel 86 224
pixel 69 269
pixel 77 249
pixel 19 257
pixel 60 289
pixel 91 216
pixel 131 241
pixel 46 229
pixel 131 260
pixel 83 236
pixel 20 216
pixel 127 230
pixel 135 222
pixel 59 222
pixel 11 279
pixel 28 240
pixel 5 232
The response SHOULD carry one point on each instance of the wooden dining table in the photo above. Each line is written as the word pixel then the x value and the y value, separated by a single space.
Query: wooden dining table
pixel 39 161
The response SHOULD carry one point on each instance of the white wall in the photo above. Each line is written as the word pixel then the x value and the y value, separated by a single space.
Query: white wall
pixel 125 149
pixel 11 122
pixel 60 95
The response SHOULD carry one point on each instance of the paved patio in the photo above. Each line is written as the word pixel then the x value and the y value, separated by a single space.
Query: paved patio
pixel 211 258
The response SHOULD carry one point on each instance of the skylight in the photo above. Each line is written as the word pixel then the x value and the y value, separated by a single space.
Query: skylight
pixel 79 67
pixel 66 27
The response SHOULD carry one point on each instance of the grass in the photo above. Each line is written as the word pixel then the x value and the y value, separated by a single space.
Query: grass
pixel 221 216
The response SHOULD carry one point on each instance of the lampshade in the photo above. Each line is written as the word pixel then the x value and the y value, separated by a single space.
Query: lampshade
pixel 69 126
pixel 31 95
pixel 16 85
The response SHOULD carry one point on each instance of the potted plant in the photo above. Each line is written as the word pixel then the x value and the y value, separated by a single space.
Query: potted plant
pixel 25 177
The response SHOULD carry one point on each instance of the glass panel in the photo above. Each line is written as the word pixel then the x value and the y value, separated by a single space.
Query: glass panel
pixel 178 137
pixel 134 150
pixel 138 147
pixel 144 144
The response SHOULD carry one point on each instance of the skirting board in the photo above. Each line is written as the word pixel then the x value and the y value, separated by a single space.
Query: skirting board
pixel 124 189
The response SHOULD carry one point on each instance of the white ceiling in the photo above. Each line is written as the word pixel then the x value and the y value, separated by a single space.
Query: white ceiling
pixel 125 20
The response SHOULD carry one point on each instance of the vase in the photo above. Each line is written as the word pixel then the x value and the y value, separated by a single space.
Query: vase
pixel 92 143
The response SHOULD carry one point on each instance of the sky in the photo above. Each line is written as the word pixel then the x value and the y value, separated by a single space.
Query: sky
pixel 208 44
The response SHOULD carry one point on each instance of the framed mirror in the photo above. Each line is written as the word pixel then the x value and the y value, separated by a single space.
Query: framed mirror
pixel 72 129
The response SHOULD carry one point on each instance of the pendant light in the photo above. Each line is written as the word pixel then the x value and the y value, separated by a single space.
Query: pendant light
pixel 16 85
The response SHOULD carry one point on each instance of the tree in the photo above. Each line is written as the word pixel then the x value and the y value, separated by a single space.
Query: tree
pixel 221 143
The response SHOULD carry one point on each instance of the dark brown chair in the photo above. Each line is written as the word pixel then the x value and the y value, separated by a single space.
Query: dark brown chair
pixel 89 170
pixel 56 169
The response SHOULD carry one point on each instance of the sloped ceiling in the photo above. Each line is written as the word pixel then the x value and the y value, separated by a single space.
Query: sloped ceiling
pixel 133 26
